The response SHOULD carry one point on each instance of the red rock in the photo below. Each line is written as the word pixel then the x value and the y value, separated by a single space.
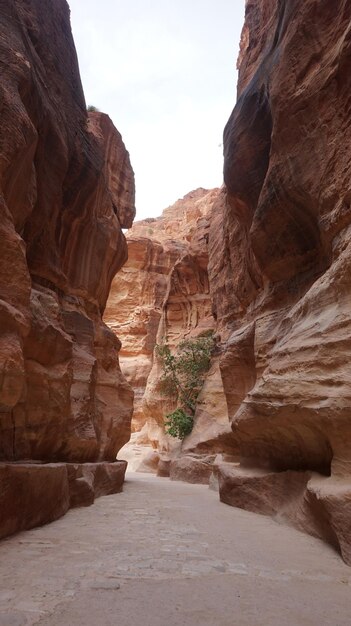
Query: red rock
pixel 329 502
pixel 212 431
pixel 260 491
pixel 88 481
pixel 305 500
pixel 149 462
pixel 163 291
pixel 279 263
pixel 31 495
pixel 164 468
pixel 192 469
pixel 66 192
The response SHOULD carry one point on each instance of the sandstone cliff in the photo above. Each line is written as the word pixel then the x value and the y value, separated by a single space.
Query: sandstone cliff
pixel 163 291
pixel 66 192
pixel 280 257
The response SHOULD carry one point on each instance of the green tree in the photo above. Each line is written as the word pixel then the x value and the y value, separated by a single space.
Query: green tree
pixel 179 424
pixel 182 379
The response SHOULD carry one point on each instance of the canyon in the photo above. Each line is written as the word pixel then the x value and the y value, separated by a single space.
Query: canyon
pixel 163 292
pixel 263 263
pixel 275 265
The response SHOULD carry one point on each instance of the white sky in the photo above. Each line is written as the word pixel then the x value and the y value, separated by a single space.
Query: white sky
pixel 164 70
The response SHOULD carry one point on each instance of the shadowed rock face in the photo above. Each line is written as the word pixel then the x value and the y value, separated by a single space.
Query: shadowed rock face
pixel 66 192
pixel 280 263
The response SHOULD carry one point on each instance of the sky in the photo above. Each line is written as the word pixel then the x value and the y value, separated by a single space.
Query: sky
pixel 165 72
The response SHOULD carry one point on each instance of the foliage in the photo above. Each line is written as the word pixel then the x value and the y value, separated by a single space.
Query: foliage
pixel 179 424
pixel 182 379
pixel 91 108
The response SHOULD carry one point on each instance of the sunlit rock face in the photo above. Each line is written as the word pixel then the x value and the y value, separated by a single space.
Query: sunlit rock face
pixel 279 268
pixel 66 192
pixel 134 308
pixel 163 292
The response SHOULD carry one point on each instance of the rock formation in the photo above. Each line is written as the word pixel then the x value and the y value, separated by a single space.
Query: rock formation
pixel 66 192
pixel 279 289
pixel 280 257
pixel 163 291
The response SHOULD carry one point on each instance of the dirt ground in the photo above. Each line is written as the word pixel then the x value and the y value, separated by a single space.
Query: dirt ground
pixel 170 554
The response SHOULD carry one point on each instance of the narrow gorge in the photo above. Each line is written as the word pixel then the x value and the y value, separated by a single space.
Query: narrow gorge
pixel 264 262
pixel 261 264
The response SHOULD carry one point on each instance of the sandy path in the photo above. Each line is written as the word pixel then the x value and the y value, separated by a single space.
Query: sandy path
pixel 169 554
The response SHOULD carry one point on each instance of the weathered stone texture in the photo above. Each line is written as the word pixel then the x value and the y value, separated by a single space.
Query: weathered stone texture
pixel 280 259
pixel 66 192
pixel 34 494
pixel 191 469
pixel 163 292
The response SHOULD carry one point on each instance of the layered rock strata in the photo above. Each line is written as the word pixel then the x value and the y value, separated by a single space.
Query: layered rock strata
pixel 66 192
pixel 163 292
pixel 279 268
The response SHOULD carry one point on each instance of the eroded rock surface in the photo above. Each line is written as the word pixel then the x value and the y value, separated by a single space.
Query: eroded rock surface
pixel 163 292
pixel 279 267
pixel 66 192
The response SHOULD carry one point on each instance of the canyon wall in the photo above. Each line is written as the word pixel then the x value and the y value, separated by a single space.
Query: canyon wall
pixel 280 257
pixel 163 292
pixel 66 192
